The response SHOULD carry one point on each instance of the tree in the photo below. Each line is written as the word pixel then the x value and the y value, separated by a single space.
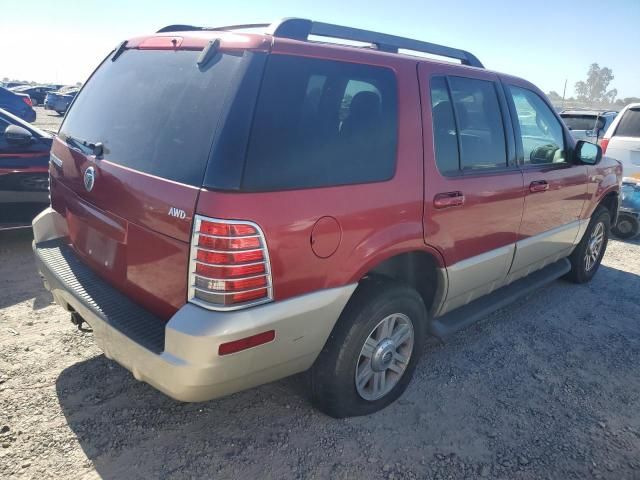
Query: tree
pixel 621 102
pixel 594 89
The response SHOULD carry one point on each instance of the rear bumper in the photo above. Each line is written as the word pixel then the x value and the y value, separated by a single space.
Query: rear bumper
pixel 181 358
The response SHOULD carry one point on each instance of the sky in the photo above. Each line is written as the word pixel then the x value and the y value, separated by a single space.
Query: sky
pixel 546 42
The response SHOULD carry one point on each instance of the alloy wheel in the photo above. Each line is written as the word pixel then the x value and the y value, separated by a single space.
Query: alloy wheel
pixel 384 357
pixel 594 247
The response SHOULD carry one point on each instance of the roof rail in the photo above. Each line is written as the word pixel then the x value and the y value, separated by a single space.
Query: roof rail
pixel 190 28
pixel 301 28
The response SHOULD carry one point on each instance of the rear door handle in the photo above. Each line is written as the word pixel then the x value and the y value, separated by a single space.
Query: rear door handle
pixel 448 199
pixel 538 186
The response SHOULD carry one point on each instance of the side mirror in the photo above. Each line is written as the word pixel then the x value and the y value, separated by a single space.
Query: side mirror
pixel 588 153
pixel 17 135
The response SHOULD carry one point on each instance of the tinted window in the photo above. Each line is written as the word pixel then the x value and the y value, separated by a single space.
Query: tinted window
pixel 444 128
pixel 479 120
pixel 540 129
pixel 583 122
pixel 320 123
pixel 629 125
pixel 154 111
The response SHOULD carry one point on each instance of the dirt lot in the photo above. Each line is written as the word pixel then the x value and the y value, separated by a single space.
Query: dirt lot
pixel 546 388
pixel 47 120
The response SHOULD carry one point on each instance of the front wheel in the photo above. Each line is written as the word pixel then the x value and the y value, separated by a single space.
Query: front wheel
pixel 372 352
pixel 587 256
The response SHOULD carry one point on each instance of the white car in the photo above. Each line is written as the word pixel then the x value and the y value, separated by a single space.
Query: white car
pixel 622 140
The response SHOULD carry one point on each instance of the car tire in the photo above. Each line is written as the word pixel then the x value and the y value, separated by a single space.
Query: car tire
pixel 627 226
pixel 378 339
pixel 586 257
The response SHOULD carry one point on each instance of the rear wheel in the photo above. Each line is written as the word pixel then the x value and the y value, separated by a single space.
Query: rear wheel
pixel 587 256
pixel 370 356
pixel 628 226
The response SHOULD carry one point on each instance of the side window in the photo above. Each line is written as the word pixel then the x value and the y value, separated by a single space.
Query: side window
pixel 540 130
pixel 629 125
pixel 479 119
pixel 445 137
pixel 322 123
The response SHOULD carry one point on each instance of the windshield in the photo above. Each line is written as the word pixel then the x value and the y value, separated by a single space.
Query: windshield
pixel 583 122
pixel 154 111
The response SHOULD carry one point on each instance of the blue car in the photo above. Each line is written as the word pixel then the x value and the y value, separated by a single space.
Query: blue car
pixel 59 101
pixel 36 92
pixel 17 103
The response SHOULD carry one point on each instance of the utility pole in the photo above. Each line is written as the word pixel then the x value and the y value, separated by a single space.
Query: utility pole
pixel 564 92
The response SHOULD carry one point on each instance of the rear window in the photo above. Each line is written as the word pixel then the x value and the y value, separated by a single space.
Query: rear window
pixel 583 122
pixel 629 125
pixel 155 111
pixel 321 123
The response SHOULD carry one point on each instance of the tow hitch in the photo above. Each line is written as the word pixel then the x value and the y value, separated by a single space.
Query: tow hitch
pixel 77 320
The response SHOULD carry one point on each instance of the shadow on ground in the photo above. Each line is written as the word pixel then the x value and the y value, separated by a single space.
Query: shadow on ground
pixel 545 387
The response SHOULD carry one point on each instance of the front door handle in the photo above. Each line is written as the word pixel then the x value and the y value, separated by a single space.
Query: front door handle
pixel 538 186
pixel 448 199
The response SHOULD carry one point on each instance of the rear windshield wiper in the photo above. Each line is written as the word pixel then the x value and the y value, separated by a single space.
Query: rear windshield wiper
pixel 96 149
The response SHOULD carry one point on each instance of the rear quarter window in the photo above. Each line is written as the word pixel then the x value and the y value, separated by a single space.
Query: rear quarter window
pixel 629 125
pixel 322 123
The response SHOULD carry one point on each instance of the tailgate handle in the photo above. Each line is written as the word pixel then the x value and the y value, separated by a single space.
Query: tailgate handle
pixel 448 199
pixel 538 186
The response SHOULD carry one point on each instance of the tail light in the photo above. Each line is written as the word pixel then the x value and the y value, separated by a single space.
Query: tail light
pixel 27 100
pixel 604 143
pixel 229 267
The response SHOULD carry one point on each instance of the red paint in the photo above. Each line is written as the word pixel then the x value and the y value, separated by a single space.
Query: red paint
pixel 160 43
pixel 325 237
pixel 124 221
pixel 125 217
pixel 22 155
pixel 30 169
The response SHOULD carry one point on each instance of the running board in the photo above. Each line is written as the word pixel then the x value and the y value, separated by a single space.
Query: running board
pixel 462 317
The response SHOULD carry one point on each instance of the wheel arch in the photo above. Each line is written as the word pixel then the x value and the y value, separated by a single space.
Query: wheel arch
pixel 611 201
pixel 422 270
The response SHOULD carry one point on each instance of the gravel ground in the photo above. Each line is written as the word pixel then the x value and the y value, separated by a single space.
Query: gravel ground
pixel 546 388
pixel 47 119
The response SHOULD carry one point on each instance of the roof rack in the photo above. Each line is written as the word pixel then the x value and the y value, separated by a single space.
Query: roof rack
pixel 301 29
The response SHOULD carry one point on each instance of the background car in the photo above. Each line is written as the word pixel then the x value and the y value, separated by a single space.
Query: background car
pixel 14 84
pixel 59 101
pixel 622 140
pixel 628 225
pixel 588 125
pixel 36 92
pixel 19 104
pixel 24 170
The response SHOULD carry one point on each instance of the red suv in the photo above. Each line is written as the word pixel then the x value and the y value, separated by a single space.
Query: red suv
pixel 229 208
